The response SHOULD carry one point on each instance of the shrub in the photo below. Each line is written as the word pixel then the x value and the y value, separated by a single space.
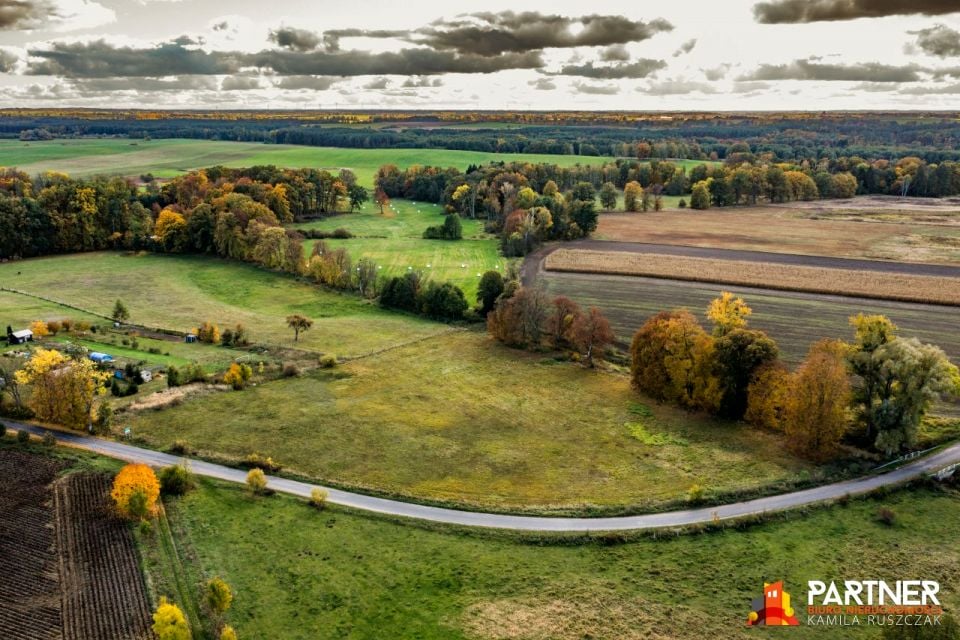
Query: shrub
pixel 179 447
pixel 682 204
pixel 328 361
pixel 259 461
pixel 228 633
pixel 217 596
pixel 238 375
pixel 135 491
pixel 443 302
pixel 169 622
pixel 318 497
pixel 451 229
pixel 176 480
pixel 291 370
pixel 48 439
pixel 257 481
pixel 886 516
pixel 696 493
pixel 23 436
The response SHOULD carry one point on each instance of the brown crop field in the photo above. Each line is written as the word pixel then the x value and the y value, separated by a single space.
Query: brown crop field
pixel 859 283
pixel 859 228
pixel 68 568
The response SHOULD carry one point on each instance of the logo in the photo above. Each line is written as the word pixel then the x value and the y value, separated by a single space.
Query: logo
pixel 773 609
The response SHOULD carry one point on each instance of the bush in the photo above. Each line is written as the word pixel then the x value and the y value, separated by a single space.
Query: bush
pixel 318 497
pixel 23 436
pixel 176 480
pixel 238 375
pixel 259 461
pixel 135 491
pixel 451 229
pixel 48 439
pixel 169 623
pixel 217 596
pixel 257 481
pixel 228 633
pixel 291 370
pixel 682 204
pixel 443 302
pixel 328 361
pixel 179 447
pixel 886 516
pixel 696 493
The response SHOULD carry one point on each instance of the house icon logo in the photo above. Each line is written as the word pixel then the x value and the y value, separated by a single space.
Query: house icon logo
pixel 773 609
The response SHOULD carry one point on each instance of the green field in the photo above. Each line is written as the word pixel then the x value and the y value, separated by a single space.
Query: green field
pixel 179 292
pixel 394 241
pixel 171 157
pixel 300 574
pixel 460 418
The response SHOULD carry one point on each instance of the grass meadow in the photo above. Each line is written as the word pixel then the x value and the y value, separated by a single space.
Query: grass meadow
pixel 394 241
pixel 180 292
pixel 171 157
pixel 459 418
pixel 298 573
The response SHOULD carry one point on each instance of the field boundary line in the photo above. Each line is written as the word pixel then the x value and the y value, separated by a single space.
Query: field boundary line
pixel 400 345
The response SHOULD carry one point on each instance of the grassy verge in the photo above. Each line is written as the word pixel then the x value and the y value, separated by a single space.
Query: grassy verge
pixel 867 284
pixel 298 573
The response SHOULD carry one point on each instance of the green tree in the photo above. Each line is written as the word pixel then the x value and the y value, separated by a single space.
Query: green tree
pixel 739 354
pixel 120 312
pixel 299 324
pixel 490 288
pixel 632 193
pixel 700 196
pixel 608 196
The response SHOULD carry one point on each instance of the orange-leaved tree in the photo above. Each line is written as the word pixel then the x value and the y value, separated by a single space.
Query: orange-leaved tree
pixel 135 491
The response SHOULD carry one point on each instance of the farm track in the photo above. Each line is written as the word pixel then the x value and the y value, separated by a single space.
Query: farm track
pixel 104 596
pixel 29 578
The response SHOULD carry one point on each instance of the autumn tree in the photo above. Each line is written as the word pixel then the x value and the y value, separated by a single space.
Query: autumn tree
pixel 592 334
pixel 135 491
pixel 171 230
pixel 381 198
pixel 62 391
pixel 299 324
pixel 490 288
pixel 608 196
pixel 565 315
pixel 519 321
pixel 169 623
pixel 632 192
pixel 120 312
pixel 238 375
pixel 700 196
pixel 728 313
pixel 208 332
pixel 768 395
pixel 256 481
pixel 39 329
pixel 217 596
pixel 738 355
pixel 818 406
pixel 227 633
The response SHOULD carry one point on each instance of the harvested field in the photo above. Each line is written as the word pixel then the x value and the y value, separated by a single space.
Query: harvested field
pixel 868 284
pixel 68 568
pixel 104 596
pixel 29 567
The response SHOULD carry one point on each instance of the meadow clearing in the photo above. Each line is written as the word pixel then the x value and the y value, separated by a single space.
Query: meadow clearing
pixel 180 292
pixel 165 158
pixel 394 241
pixel 459 418
pixel 298 573
pixel 864 283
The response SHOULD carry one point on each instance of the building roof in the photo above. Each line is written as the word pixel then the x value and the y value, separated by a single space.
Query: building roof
pixel 23 333
pixel 96 355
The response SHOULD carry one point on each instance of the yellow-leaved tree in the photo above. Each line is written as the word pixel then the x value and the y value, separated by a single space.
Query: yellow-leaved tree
pixel 135 491
pixel 62 391
pixel 728 313
pixel 169 623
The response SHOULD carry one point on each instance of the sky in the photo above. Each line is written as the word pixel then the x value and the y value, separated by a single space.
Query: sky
pixel 423 54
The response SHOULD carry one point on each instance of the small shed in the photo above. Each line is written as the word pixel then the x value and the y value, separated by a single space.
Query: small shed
pixel 146 375
pixel 20 337
pixel 100 358
pixel 190 338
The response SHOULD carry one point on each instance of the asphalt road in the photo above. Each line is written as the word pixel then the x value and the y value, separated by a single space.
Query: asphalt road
pixel 930 464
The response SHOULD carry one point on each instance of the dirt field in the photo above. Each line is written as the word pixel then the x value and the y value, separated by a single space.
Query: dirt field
pixel 875 228
pixel 68 568
pixel 860 283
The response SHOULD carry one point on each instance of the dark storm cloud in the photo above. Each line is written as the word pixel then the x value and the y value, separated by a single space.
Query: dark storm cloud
pixel 807 70
pixel 8 61
pixel 939 40
pixel 99 59
pixel 596 90
pixel 407 62
pixel 490 34
pixel 795 11
pixel 240 83
pixel 616 53
pixel 315 83
pixel 295 39
pixel 639 69
pixel 25 14
pixel 686 47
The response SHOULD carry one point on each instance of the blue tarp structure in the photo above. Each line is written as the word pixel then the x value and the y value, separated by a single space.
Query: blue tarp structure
pixel 100 358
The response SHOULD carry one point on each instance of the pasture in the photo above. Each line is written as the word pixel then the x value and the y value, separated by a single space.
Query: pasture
pixel 394 241
pixel 795 320
pixel 301 574
pixel 459 418
pixel 180 292
pixel 166 158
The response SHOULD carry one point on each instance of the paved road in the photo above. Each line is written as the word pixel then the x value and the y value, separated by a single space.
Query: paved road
pixel 129 453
